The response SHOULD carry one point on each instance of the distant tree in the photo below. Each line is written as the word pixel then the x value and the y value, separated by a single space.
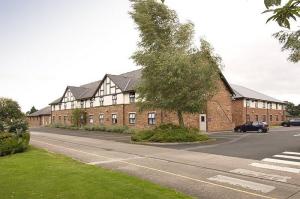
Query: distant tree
pixel 292 109
pixel 78 117
pixel 283 14
pixel 177 76
pixel 32 110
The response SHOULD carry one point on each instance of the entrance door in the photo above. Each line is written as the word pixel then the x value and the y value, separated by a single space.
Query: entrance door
pixel 203 122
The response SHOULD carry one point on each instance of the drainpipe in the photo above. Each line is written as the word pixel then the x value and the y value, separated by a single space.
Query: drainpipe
pixel 268 118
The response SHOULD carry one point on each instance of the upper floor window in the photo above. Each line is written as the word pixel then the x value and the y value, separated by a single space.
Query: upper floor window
pixel 151 118
pixel 91 104
pixel 132 97
pixel 132 118
pixel 271 105
pixel 101 100
pixel 72 105
pixel 101 92
pixel 59 107
pixel 256 104
pixel 247 103
pixel 101 118
pixel 65 106
pixel 276 106
pixel 81 104
pixel 114 99
pixel 264 104
pixel 114 119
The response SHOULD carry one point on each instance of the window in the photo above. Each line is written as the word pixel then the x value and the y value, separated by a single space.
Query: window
pixel 132 97
pixel 91 104
pixel 53 118
pixel 264 104
pixel 151 118
pixel 101 118
pixel 247 103
pixel 247 118
pixel 264 118
pixel 132 118
pixel 65 106
pixel 256 118
pixel 256 104
pixel 271 118
pixel 65 119
pixel 114 99
pixel 277 118
pixel 114 119
pixel 91 119
pixel 59 107
pixel 101 92
pixel 101 100
pixel 276 106
pixel 81 104
pixel 271 105
pixel 59 118
pixel 282 118
pixel 72 105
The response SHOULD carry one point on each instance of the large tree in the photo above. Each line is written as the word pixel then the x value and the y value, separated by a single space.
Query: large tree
pixel 177 75
pixel 10 110
pixel 283 15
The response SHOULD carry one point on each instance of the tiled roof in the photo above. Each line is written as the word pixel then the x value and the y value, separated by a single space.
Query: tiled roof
pixel 43 111
pixel 243 92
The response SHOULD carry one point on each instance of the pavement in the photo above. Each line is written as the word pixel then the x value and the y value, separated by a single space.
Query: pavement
pixel 210 171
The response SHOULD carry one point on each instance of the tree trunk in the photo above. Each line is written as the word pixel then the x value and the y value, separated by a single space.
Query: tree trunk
pixel 180 119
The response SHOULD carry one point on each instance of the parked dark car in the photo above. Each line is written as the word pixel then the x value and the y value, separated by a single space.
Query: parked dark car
pixel 260 127
pixel 292 122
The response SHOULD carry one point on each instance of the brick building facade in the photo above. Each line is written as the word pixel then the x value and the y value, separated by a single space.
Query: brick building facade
pixel 40 118
pixel 111 101
pixel 249 105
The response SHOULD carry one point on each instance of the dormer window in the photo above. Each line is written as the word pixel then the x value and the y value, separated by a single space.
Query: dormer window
pixel 132 97
pixel 114 99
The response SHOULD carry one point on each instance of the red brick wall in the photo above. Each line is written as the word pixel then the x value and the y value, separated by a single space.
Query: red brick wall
pixel 61 114
pixel 38 121
pixel 240 112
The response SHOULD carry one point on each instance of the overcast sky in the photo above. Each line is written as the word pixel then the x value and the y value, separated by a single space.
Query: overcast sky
pixel 46 45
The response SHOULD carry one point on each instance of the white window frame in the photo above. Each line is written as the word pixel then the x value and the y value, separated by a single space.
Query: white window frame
pixel 114 118
pixel 152 118
pixel 132 120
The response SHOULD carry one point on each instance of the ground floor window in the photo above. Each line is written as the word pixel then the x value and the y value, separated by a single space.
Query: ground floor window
pixel 256 118
pixel 132 117
pixel 91 119
pixel 271 118
pixel 59 118
pixel 151 118
pixel 282 118
pixel 247 118
pixel 114 119
pixel 277 118
pixel 101 119
pixel 65 119
pixel 53 118
pixel 264 118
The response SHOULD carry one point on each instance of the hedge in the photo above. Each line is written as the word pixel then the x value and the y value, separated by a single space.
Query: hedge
pixel 11 143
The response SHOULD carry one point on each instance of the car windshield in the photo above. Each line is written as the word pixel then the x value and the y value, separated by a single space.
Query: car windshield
pixel 255 123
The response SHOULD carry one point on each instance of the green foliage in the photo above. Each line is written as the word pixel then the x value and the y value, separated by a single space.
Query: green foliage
pixel 177 76
pixel 169 133
pixel 283 15
pixel 293 110
pixel 10 111
pixel 18 125
pixel 78 117
pixel 11 143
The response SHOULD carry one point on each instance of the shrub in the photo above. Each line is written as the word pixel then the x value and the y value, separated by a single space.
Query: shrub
pixel 19 124
pixel 11 143
pixel 169 133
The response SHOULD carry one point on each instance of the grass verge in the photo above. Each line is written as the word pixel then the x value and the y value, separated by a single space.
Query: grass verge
pixel 169 133
pixel 39 174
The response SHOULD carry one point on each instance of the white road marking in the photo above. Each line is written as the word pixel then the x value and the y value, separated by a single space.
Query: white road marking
pixel 281 161
pixel 278 168
pixel 261 175
pixel 243 183
pixel 167 172
pixel 114 160
pixel 297 135
pixel 291 153
pixel 287 157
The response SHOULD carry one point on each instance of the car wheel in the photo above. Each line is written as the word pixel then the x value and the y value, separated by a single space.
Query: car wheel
pixel 260 130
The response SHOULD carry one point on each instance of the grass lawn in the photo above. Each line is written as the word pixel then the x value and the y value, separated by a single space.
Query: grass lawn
pixel 40 174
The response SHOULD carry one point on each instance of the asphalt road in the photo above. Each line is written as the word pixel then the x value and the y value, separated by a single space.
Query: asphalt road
pixel 213 174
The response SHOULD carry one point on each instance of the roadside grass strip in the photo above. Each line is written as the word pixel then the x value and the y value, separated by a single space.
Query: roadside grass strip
pixel 291 153
pixel 287 157
pixel 281 161
pixel 277 168
pixel 243 183
pixel 266 176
